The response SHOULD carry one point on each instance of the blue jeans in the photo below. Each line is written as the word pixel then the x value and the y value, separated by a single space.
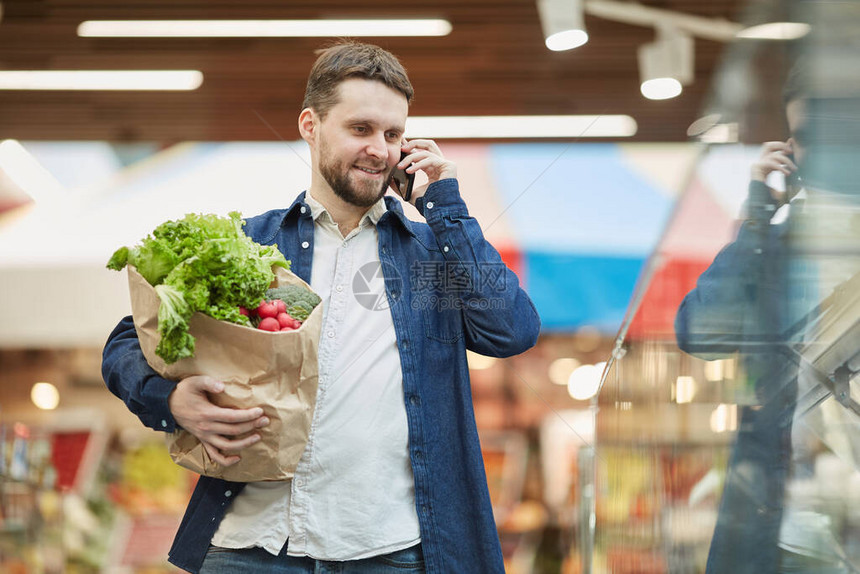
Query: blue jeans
pixel 258 561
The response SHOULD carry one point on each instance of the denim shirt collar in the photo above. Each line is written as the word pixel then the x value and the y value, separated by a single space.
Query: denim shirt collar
pixel 393 211
pixel 370 217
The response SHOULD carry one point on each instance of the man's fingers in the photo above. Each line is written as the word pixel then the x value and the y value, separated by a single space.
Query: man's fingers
pixel 413 158
pixel 234 429
pixel 219 458
pixel 202 383
pixel 777 146
pixel 774 162
pixel 782 159
pixel 423 160
pixel 777 165
pixel 774 166
pixel 232 446
pixel 233 416
pixel 424 164
pixel 421 143
pixel 210 385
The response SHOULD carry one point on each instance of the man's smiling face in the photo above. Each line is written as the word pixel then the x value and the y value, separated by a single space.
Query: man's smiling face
pixel 359 140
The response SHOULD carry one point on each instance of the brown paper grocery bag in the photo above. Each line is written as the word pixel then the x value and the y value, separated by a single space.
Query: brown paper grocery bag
pixel 275 371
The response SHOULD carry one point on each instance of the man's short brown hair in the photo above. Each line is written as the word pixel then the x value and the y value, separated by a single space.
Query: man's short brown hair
pixel 348 59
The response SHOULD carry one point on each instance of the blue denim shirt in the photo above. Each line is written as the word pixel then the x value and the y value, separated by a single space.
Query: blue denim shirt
pixel 741 304
pixel 448 291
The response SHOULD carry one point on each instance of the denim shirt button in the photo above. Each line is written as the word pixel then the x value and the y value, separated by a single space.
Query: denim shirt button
pixel 446 249
pixel 228 493
pixel 163 423
pixel 305 244
pixel 418 455
pixel 429 205
pixel 424 509
pixel 414 400
pixel 304 209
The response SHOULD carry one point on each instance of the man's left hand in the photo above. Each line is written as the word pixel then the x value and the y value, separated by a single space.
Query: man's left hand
pixel 425 155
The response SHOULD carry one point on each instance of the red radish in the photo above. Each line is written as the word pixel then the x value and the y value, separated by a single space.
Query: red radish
pixel 267 309
pixel 296 323
pixel 285 320
pixel 269 324
pixel 280 305
pixel 244 311
pixel 287 329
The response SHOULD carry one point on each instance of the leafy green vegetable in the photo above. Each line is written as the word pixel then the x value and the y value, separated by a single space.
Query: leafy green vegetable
pixel 119 259
pixel 202 263
pixel 173 314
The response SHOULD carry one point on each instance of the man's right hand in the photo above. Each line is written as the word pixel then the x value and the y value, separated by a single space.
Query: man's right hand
pixel 775 156
pixel 213 425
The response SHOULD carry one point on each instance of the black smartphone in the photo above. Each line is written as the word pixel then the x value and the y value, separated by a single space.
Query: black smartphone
pixel 401 181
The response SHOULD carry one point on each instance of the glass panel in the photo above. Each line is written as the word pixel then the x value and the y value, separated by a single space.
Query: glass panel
pixel 728 431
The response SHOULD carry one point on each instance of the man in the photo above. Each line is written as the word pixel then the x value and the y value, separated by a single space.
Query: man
pixel 392 477
pixel 759 298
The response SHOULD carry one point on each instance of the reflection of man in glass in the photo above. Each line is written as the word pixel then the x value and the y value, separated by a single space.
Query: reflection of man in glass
pixel 763 296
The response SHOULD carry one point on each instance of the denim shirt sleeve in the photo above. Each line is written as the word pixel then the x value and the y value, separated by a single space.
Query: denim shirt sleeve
pixel 129 377
pixel 723 311
pixel 500 320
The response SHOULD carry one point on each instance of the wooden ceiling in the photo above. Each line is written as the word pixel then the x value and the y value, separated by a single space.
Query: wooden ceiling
pixel 494 62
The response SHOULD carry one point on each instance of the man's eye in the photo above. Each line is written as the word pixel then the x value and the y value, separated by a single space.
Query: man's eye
pixel 360 129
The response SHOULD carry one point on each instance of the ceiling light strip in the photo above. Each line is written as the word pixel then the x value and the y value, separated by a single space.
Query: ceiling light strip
pixel 147 80
pixel 480 127
pixel 262 28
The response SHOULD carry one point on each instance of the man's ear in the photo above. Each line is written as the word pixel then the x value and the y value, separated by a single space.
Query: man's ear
pixel 308 124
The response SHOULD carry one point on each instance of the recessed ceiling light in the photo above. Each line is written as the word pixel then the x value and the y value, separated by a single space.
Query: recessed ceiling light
pixel 661 88
pixel 100 80
pixel 480 127
pixel 666 65
pixel 566 40
pixel 562 23
pixel 776 31
pixel 262 28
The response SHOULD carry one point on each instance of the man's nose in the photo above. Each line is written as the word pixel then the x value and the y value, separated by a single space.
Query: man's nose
pixel 377 147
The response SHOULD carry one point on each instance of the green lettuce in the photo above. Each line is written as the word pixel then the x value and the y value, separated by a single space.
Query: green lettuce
pixel 200 263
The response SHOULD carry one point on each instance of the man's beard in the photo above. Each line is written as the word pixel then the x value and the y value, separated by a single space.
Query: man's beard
pixel 337 175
